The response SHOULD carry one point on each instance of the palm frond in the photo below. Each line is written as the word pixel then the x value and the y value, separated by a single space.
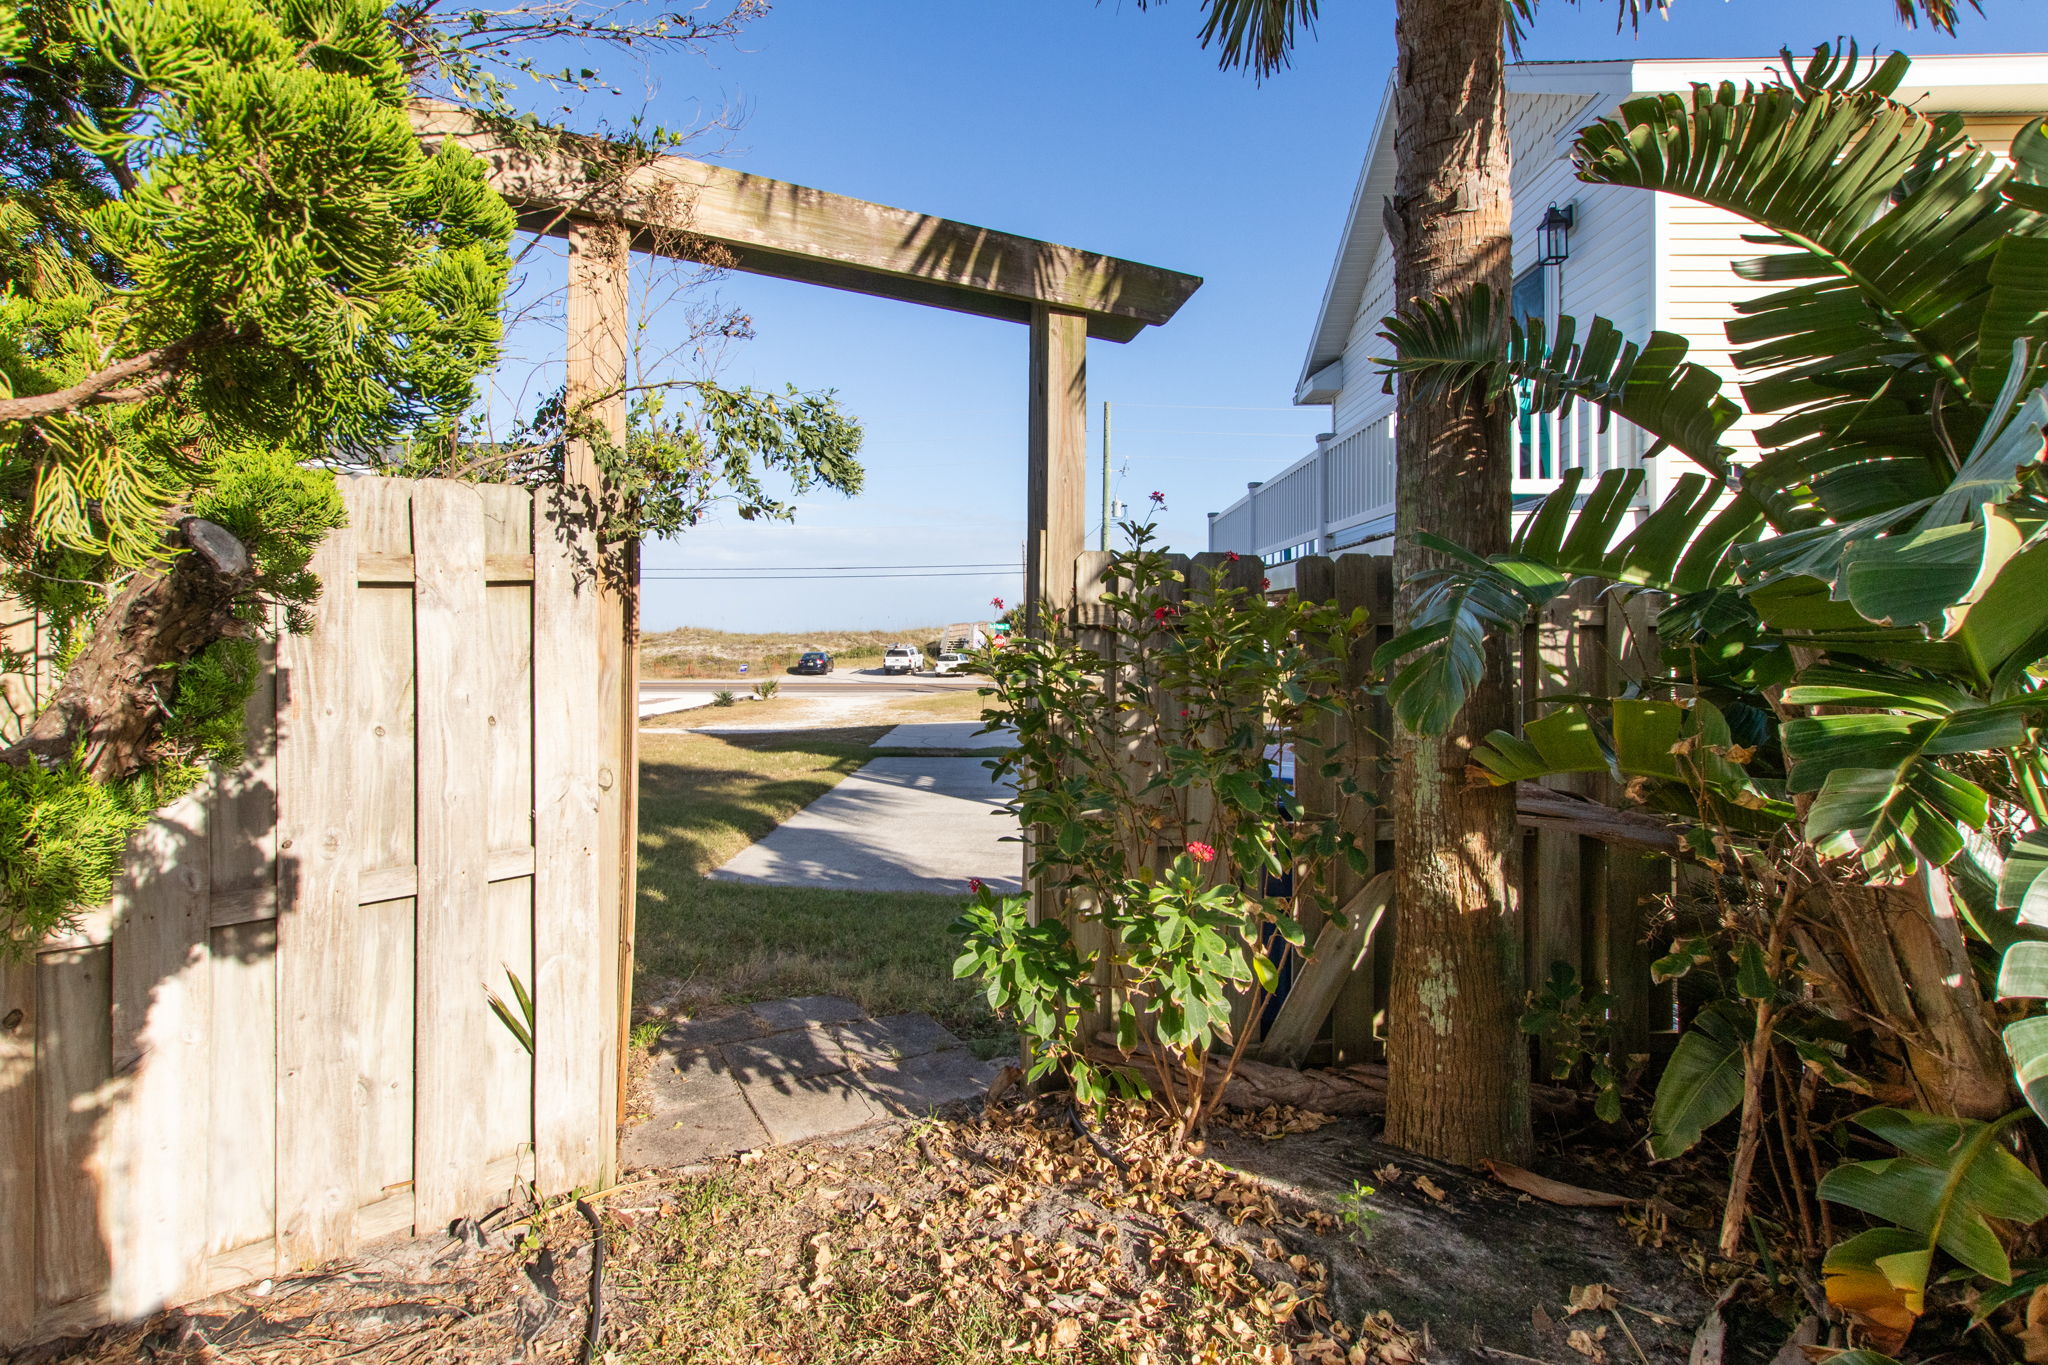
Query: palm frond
pixel 1255 34
pixel 1888 220
pixel 1466 342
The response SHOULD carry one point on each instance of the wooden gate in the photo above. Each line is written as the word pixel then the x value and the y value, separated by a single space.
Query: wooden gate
pixel 275 1044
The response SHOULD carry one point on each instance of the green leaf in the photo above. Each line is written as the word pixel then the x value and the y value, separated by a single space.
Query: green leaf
pixel 2023 972
pixel 1951 1176
pixel 1752 974
pixel 1702 1084
pixel 2023 887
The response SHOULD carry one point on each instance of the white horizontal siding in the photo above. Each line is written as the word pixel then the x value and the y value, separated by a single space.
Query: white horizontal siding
pixel 1362 398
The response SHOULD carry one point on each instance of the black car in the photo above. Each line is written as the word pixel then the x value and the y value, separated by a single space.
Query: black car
pixel 814 661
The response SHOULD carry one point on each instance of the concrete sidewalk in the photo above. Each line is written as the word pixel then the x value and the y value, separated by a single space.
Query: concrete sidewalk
pixel 945 734
pixel 899 824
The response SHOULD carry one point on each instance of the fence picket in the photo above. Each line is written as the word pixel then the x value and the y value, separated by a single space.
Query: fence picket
pixel 453 1027
pixel 19 1025
pixel 161 1021
pixel 571 1130
pixel 320 994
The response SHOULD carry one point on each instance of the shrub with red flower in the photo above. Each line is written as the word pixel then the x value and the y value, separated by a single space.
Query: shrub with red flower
pixel 1158 497
pixel 996 602
pixel 975 885
pixel 1201 852
pixel 1161 613
pixel 1231 555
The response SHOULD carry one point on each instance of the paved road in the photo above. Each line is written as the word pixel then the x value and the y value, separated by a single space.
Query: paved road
pixel 899 824
pixel 848 684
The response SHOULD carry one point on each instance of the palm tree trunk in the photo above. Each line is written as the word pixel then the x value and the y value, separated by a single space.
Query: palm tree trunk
pixel 1458 1071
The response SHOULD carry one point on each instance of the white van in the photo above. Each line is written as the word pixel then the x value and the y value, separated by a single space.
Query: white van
pixel 950 662
pixel 902 659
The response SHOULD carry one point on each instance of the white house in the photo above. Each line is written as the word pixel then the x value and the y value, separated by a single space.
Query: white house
pixel 1645 260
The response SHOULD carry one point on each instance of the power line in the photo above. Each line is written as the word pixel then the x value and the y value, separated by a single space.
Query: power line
pixel 826 577
pixel 806 568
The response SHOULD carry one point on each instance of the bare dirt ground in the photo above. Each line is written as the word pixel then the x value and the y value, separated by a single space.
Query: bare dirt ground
pixel 994 1236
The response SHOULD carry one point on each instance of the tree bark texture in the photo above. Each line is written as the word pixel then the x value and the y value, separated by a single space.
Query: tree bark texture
pixel 1912 971
pixel 1458 1087
pixel 112 702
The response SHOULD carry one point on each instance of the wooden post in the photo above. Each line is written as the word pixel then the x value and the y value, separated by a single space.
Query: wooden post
pixel 1056 530
pixel 595 381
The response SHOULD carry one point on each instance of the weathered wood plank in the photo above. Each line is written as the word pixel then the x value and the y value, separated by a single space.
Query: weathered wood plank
pixel 508 652
pixel 1365 581
pixel 595 379
pixel 154 1137
pixel 503 1069
pixel 241 1155
pixel 382 949
pixel 241 815
pixel 74 1076
pixel 769 227
pixel 1554 661
pixel 19 1025
pixel 451 1013
pixel 571 1128
pixel 1339 949
pixel 1056 497
pixel 320 990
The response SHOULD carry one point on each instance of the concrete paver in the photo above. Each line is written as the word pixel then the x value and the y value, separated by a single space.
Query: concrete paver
pixel 898 824
pixel 789 1071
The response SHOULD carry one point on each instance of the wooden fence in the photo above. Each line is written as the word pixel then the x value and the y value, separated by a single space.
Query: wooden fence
pixel 1583 901
pixel 275 1043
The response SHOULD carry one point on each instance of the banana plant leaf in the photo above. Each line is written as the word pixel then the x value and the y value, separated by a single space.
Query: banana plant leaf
pixel 1951 1179
pixel 1702 1084
pixel 2023 883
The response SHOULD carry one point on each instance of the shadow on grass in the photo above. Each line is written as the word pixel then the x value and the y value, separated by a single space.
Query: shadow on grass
pixel 702 798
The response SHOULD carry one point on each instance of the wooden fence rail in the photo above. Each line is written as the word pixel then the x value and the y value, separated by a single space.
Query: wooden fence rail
pixel 275 1043
pixel 1584 901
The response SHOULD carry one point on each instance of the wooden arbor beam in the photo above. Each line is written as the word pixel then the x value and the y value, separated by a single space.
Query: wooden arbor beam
pixel 679 207
pixel 609 203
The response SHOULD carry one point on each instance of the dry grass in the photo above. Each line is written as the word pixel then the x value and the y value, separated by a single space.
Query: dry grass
pixel 1003 1237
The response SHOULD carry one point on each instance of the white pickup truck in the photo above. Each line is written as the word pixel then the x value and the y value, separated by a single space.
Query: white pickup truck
pixel 902 659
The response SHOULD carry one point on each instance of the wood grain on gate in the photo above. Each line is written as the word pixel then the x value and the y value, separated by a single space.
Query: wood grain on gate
pixel 275 1043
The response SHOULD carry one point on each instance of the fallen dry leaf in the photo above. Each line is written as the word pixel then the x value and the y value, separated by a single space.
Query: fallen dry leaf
pixel 2033 1335
pixel 1591 1298
pixel 1553 1191
pixel 1588 1344
pixel 1430 1188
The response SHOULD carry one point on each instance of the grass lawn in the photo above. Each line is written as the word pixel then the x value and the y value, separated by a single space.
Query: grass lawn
pixel 703 798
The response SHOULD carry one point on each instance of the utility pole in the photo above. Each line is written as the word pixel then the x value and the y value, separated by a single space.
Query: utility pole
pixel 1108 504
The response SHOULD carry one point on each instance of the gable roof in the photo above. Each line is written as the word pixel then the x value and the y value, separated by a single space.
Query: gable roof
pixel 1999 83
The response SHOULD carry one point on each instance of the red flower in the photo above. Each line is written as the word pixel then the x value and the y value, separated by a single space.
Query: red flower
pixel 1184 713
pixel 1265 582
pixel 1230 555
pixel 1201 852
pixel 974 884
pixel 996 602
pixel 1161 613
pixel 1159 498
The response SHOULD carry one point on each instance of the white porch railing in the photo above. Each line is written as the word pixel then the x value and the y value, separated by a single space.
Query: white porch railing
pixel 1349 481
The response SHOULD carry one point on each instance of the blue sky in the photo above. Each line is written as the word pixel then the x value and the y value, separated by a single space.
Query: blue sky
pixel 1104 127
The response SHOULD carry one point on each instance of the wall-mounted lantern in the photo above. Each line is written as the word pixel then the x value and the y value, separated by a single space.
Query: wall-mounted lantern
pixel 1555 239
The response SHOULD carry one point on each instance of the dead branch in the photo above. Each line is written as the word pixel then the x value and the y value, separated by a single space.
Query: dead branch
pixel 145 374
